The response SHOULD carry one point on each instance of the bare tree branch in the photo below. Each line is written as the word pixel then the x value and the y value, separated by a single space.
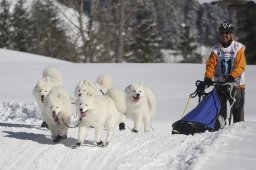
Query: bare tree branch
pixel 65 16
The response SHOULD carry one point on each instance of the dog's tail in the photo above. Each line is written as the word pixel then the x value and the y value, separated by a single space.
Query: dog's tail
pixel 151 99
pixel 52 72
pixel 104 82
pixel 118 97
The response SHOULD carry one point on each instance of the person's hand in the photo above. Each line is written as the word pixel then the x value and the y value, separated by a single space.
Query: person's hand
pixel 230 79
pixel 201 87
pixel 208 82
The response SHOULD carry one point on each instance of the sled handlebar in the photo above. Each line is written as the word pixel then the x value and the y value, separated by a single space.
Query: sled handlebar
pixel 214 82
pixel 201 92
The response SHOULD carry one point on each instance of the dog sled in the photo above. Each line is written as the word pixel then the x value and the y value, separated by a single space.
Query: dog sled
pixel 205 116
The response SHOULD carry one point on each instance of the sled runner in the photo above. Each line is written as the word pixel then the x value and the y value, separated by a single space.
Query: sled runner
pixel 205 116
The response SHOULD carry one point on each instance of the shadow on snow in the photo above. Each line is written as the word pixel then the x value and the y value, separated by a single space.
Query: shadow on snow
pixel 39 138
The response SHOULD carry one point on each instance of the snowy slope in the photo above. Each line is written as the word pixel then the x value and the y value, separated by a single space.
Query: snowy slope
pixel 24 145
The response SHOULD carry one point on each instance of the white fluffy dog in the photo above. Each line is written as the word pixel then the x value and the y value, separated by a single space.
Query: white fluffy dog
pixel 85 88
pixel 99 111
pixel 57 112
pixel 51 77
pixel 141 105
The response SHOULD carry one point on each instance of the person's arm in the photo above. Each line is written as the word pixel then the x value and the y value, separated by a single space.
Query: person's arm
pixel 211 66
pixel 239 64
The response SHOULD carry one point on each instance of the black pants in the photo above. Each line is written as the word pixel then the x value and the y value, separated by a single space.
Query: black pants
pixel 237 109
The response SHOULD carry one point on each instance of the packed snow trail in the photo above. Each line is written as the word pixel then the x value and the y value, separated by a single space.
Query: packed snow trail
pixel 25 145
pixel 31 148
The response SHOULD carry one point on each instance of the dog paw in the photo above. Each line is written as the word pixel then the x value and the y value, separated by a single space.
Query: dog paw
pixel 64 137
pixel 134 130
pixel 100 144
pixel 121 126
pixel 57 139
pixel 78 144
pixel 43 124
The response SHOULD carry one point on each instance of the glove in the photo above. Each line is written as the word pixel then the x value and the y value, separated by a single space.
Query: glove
pixel 201 87
pixel 230 79
pixel 208 82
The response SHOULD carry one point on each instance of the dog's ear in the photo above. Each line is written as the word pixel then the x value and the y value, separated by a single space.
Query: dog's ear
pixel 128 87
pixel 58 95
pixel 99 79
pixel 45 79
pixel 80 82
pixel 84 82
pixel 141 84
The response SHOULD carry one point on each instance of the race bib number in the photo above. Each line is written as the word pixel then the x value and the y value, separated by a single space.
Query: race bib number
pixel 226 65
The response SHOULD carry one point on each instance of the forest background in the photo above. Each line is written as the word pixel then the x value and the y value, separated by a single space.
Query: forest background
pixel 131 31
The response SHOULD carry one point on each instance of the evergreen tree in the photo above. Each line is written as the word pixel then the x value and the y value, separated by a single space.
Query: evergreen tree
pixel 21 28
pixel 144 42
pixel 104 37
pixel 5 24
pixel 49 36
pixel 188 46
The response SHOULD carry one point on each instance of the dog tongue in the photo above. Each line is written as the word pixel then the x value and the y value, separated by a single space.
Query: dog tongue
pixel 135 99
pixel 83 114
pixel 56 119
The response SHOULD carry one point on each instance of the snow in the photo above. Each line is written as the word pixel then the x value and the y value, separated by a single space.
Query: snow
pixel 24 145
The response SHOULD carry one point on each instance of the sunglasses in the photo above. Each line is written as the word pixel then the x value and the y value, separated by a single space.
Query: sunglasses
pixel 226 33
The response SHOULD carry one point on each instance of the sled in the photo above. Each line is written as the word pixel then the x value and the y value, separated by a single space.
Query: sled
pixel 204 117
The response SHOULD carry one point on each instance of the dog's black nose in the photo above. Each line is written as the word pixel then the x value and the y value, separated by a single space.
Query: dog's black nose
pixel 81 109
pixel 42 96
pixel 138 94
pixel 53 112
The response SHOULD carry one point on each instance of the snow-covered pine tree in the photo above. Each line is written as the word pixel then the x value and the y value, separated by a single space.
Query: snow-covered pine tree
pixel 144 43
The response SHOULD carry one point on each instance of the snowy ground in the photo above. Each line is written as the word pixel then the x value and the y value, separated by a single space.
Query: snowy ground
pixel 24 145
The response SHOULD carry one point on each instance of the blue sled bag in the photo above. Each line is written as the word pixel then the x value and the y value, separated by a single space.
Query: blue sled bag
pixel 202 118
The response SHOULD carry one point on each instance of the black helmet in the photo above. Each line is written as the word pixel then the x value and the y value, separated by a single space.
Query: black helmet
pixel 226 28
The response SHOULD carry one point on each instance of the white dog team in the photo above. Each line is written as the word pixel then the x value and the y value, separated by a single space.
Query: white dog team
pixel 98 105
